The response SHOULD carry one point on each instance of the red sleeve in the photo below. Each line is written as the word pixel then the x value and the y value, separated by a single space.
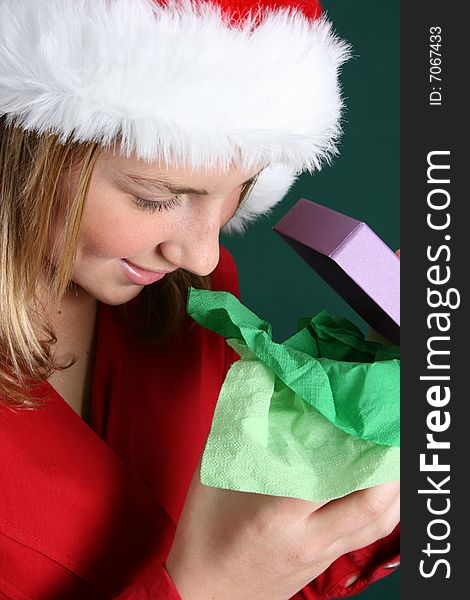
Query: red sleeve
pixel 352 573
pixel 156 584
pixel 225 276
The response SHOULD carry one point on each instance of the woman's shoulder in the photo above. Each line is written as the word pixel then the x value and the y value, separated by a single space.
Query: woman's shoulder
pixel 225 275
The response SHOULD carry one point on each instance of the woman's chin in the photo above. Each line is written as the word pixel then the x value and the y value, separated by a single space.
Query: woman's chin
pixel 116 295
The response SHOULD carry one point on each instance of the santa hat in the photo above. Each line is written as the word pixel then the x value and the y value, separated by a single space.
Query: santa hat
pixel 194 83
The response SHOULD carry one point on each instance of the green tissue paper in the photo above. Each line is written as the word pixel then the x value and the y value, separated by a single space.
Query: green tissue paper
pixel 315 417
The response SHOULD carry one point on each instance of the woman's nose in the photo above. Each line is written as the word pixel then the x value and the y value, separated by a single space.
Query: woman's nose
pixel 194 245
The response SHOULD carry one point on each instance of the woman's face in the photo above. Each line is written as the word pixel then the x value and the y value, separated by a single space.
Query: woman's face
pixel 143 215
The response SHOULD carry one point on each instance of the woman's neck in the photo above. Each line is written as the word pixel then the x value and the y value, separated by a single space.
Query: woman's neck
pixel 74 324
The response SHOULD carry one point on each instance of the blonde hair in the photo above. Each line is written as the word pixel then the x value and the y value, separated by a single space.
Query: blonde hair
pixel 33 171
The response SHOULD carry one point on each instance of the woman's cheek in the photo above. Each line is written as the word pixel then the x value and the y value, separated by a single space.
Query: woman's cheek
pixel 117 232
pixel 230 206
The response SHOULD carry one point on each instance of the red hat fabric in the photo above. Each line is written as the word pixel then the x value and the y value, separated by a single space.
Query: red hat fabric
pixel 241 8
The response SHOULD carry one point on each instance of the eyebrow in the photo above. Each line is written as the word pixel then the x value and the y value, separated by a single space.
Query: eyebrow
pixel 174 189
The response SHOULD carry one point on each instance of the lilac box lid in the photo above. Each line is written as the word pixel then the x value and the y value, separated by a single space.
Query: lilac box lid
pixel 351 258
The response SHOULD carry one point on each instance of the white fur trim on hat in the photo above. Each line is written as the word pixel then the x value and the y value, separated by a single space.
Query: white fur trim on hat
pixel 175 83
pixel 271 186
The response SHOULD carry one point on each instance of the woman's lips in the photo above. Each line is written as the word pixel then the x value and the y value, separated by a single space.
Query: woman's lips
pixel 140 276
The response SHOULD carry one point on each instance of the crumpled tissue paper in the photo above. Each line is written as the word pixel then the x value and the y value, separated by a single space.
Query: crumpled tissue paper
pixel 315 417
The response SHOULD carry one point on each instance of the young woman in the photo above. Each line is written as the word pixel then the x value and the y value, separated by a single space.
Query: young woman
pixel 131 133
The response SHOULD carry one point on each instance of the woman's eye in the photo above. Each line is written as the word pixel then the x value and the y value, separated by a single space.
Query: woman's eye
pixel 158 205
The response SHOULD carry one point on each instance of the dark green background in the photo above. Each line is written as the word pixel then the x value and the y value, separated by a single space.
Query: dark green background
pixel 362 182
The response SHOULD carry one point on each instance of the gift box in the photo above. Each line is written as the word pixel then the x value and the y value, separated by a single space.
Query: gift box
pixel 351 257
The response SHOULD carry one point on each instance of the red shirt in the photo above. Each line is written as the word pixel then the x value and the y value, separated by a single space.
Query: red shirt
pixel 89 512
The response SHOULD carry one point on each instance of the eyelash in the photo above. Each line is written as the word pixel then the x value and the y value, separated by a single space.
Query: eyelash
pixel 154 206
